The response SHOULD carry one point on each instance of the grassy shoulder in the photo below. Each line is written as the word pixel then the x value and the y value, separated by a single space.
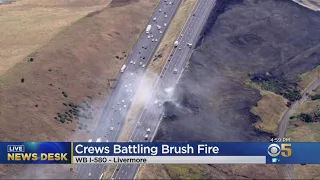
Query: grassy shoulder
pixel 171 35
pixel 308 78
pixel 311 4
pixel 108 174
pixel 270 109
pixel 26 26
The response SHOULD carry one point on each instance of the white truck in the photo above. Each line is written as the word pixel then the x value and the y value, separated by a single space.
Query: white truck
pixel 148 29
pixel 176 43
pixel 123 68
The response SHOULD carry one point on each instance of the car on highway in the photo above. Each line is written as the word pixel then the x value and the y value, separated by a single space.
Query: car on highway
pixel 143 65
pixel 189 44
pixel 154 19
pixel 89 174
pixel 152 40
pixel 175 70
pixel 160 10
pixel 165 24
pixel 123 68
pixel 156 40
pixel 170 3
pixel 122 100
pixel 131 62
pixel 148 130
pixel 176 43
pixel 98 140
pixel 146 137
pixel 111 129
pixel 165 16
pixel 148 37
pixel 90 140
pixel 134 62
pixel 160 32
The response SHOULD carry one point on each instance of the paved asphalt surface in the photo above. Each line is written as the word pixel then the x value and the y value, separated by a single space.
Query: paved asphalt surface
pixel 288 169
pixel 109 126
pixel 151 115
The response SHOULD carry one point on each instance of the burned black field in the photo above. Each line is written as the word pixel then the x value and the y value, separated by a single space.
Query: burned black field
pixel 243 39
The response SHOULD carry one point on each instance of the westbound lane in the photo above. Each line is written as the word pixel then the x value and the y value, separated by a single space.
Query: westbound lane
pixel 110 124
pixel 151 116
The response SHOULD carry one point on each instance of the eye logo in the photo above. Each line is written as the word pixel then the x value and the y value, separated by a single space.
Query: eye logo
pixel 274 150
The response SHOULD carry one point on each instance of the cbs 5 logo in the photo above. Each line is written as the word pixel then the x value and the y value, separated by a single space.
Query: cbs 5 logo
pixel 274 150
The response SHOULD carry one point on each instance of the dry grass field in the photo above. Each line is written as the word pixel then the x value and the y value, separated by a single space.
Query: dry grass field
pixel 71 68
pixel 270 109
pixel 26 26
pixel 311 4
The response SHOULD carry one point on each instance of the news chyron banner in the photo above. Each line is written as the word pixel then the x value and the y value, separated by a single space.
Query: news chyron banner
pixel 158 153
pixel 35 152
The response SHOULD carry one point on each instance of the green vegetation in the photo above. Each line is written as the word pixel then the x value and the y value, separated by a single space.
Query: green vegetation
pixel 64 94
pixel 317 115
pixel 315 97
pixel 62 120
pixel 30 60
pixel 309 118
pixel 305 117
pixel 278 86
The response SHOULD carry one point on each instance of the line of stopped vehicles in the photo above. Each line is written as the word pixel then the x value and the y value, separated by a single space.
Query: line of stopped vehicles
pixel 123 68
pixel 150 35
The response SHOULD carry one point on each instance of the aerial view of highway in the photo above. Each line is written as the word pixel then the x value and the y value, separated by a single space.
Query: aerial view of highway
pixel 110 124
pixel 160 89
pixel 150 118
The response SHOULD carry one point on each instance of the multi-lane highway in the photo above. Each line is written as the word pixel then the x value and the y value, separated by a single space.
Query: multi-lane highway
pixel 150 118
pixel 109 126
